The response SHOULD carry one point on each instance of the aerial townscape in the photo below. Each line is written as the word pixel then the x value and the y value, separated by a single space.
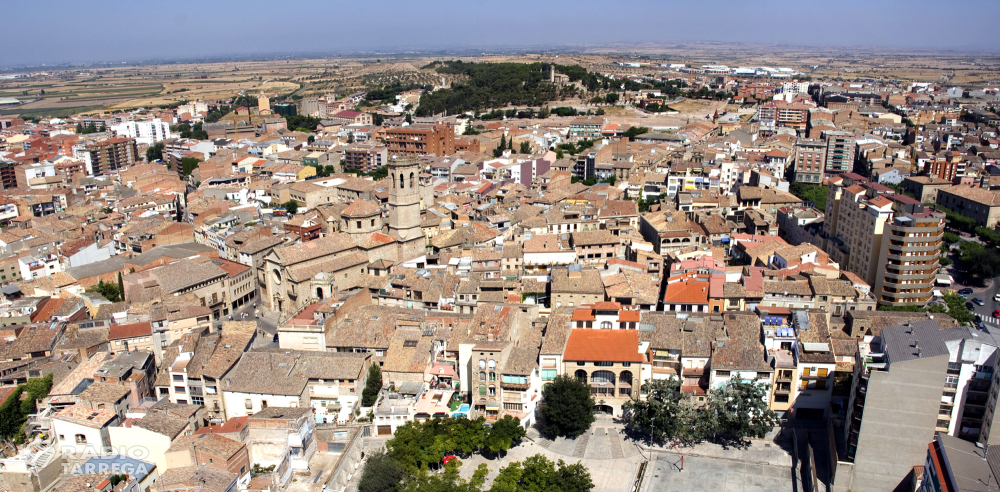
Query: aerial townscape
pixel 646 267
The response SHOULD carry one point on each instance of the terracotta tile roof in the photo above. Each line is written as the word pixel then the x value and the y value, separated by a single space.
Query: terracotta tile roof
pixel 330 244
pixel 361 208
pixel 130 331
pixel 603 345
pixel 691 290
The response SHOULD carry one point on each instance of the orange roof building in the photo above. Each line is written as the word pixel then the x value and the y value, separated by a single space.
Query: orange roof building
pixel 603 346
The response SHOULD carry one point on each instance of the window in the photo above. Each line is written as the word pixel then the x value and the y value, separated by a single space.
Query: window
pixel 722 374
pixel 626 364
pixel 197 400
pixel 81 439
pixel 781 398
pixel 249 404
pixel 482 375
pixel 178 377
pixel 822 372
pixel 482 390
pixel 180 389
pixel 493 390
pixel 605 325
pixel 548 374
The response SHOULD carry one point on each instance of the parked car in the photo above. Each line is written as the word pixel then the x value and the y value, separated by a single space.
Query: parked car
pixel 978 301
pixel 969 306
pixel 996 313
pixel 275 339
pixel 966 291
pixel 997 297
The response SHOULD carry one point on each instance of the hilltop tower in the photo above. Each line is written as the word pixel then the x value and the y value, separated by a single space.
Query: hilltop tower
pixel 404 207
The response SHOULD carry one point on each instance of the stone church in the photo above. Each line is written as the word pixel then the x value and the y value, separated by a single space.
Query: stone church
pixel 302 273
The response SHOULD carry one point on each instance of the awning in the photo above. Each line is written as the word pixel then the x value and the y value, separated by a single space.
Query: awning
pixel 816 347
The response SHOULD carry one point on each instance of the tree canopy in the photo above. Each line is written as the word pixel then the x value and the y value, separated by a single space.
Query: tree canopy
pixel 110 290
pixel 491 85
pixel 568 407
pixel 539 474
pixel 419 446
pixel 814 193
pixel 734 412
pixel 154 152
pixel 372 387
pixel 291 206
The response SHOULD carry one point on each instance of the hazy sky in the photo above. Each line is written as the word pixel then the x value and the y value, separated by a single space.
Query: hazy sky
pixel 57 31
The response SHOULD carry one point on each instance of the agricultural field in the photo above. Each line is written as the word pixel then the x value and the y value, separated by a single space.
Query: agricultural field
pixel 75 91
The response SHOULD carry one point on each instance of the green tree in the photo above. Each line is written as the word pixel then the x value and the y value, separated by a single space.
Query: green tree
pixel 559 154
pixel 611 180
pixel 635 131
pixel 591 181
pixel 568 407
pixel 109 290
pixel 350 137
pixel 538 474
pixel 372 387
pixel 611 98
pixel 291 206
pixel 504 434
pixel 154 152
pixel 381 474
pixel 525 147
pixel 311 139
pixel 810 193
pixel 121 286
pixel 448 481
pixel 79 129
pixel 107 210
pixel 543 112
pixel 741 410
pixel 188 165
pixel 662 414
pixel 503 142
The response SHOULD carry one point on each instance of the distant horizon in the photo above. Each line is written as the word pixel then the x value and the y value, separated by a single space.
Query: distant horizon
pixel 609 49
pixel 61 32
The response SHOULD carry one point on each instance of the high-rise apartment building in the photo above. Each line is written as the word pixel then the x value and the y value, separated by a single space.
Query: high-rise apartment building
pixel 908 255
pixel 774 114
pixel 365 157
pixel 107 155
pixel 810 160
pixel 839 152
pixel 912 382
pixel 437 139
pixel 891 241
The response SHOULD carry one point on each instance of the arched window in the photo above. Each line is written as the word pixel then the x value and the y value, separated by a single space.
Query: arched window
pixel 493 390
pixel 482 375
pixel 492 364
pixel 482 363
pixel 81 439
pixel 581 376
pixel 402 182
pixel 393 176
pixel 319 293
pixel 625 377
pixel 602 377
pixel 605 325
pixel 482 390
pixel 413 180
pixel 493 376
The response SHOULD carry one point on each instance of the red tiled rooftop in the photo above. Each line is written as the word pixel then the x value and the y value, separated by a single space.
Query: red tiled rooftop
pixel 603 345
pixel 130 331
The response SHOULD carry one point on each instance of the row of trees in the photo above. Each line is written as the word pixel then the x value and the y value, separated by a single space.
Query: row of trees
pixel 732 413
pixel 535 474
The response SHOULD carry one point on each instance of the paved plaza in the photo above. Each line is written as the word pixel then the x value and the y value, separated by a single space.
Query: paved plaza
pixel 714 475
